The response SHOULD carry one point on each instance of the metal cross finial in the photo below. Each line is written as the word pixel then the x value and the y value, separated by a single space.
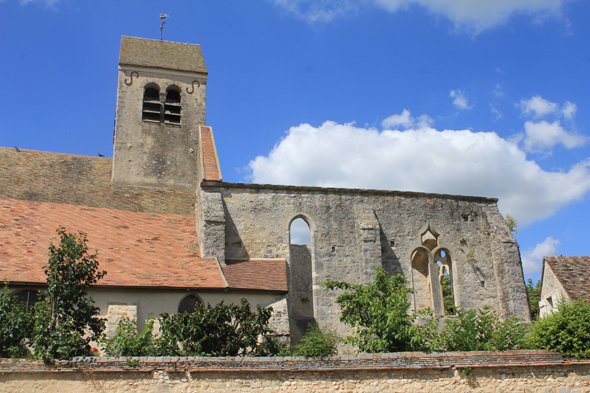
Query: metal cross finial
pixel 162 16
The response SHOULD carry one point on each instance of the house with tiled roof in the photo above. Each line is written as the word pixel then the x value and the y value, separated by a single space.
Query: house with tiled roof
pixel 170 232
pixel 563 278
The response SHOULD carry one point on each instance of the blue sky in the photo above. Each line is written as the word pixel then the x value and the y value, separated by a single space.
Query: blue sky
pixel 452 96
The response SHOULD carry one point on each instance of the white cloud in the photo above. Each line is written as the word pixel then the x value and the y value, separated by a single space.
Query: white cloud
pixel 405 120
pixel 423 159
pixel 497 114
pixel 543 135
pixel 532 260
pixel 473 16
pixel 47 3
pixel 498 90
pixel 460 100
pixel 569 110
pixel 538 107
pixel 317 10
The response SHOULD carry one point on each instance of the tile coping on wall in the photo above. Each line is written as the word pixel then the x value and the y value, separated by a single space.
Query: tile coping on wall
pixel 390 361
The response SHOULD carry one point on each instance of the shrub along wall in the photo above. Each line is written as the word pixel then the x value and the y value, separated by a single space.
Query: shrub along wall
pixel 519 371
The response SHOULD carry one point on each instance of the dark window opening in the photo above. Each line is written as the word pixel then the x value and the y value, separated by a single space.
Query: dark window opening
pixel 151 105
pixel 172 107
pixel 189 304
pixel 28 297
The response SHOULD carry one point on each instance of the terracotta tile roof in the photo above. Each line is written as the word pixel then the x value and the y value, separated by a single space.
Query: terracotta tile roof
pixel 573 273
pixel 209 159
pixel 136 249
pixel 256 274
pixel 80 180
pixel 162 54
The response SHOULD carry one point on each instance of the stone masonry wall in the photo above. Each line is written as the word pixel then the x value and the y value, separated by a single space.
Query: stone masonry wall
pixel 153 154
pixel 353 231
pixel 517 371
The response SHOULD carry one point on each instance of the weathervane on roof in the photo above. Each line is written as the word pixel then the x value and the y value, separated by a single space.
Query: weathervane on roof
pixel 162 16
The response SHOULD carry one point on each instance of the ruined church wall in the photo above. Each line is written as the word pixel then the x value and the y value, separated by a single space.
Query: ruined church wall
pixel 354 231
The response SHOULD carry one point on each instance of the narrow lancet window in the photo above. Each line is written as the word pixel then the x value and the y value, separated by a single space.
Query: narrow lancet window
pixel 151 105
pixel 172 106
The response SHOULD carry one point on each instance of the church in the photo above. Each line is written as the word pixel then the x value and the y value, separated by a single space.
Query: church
pixel 170 232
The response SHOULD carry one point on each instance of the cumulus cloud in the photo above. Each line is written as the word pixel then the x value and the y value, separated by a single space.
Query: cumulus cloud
pixel 532 260
pixel 460 99
pixel 473 16
pixel 405 121
pixel 542 135
pixel 538 107
pixel 421 159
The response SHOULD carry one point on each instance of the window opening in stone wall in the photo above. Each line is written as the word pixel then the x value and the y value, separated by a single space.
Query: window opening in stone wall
pixel 300 232
pixel 28 297
pixel 443 261
pixel 420 281
pixel 151 105
pixel 172 106
pixel 189 304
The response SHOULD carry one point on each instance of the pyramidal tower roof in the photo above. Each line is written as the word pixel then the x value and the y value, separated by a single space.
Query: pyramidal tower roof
pixel 166 55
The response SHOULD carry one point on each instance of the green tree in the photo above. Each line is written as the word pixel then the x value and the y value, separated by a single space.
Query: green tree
pixel 534 291
pixel 482 330
pixel 16 326
pixel 127 341
pixel 317 343
pixel 567 330
pixel 379 315
pixel 66 320
pixel 219 330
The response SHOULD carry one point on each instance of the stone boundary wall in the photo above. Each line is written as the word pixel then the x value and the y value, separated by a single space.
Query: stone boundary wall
pixel 519 371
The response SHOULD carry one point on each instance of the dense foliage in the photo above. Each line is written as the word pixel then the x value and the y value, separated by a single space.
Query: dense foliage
pixel 317 343
pixel 379 315
pixel 219 330
pixel 16 326
pixel 128 341
pixel 534 291
pixel 66 319
pixel 567 330
pixel 482 330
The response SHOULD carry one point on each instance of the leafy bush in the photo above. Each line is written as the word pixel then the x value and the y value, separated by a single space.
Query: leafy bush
pixel 219 330
pixel 482 330
pixel 66 320
pixel 317 343
pixel 379 315
pixel 567 330
pixel 127 341
pixel 16 326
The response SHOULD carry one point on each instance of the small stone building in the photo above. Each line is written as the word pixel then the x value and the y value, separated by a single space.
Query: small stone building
pixel 170 232
pixel 563 277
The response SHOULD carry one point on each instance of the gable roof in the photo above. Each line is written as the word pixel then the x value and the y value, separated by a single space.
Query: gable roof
pixel 136 249
pixel 81 180
pixel 573 274
pixel 162 54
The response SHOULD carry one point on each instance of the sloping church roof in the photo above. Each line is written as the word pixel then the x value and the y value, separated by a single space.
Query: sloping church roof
pixel 573 273
pixel 146 237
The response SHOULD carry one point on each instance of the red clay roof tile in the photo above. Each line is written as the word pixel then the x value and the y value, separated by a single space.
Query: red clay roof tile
pixel 256 274
pixel 573 273
pixel 136 249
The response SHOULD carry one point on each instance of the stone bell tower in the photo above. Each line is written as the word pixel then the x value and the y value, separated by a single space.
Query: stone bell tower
pixel 160 105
